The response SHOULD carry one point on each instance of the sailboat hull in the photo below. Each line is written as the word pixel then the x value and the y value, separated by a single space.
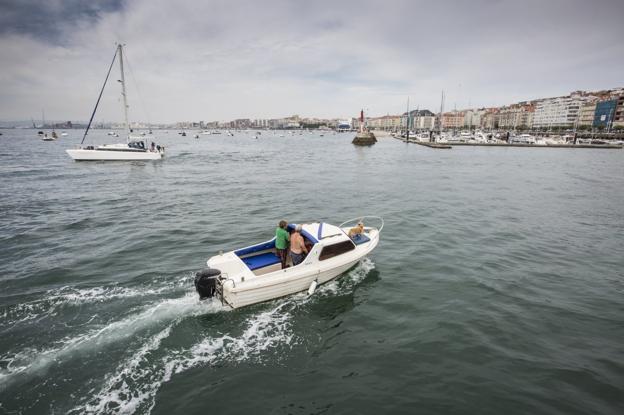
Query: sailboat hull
pixel 107 155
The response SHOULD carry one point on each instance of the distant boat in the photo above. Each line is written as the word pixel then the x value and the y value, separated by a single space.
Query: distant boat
pixel 63 134
pixel 183 134
pixel 42 134
pixel 133 149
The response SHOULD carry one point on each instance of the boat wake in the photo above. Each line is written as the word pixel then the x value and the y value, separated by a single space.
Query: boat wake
pixel 29 361
pixel 133 386
pixel 56 299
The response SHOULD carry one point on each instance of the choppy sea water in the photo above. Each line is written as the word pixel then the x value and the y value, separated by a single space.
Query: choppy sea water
pixel 497 286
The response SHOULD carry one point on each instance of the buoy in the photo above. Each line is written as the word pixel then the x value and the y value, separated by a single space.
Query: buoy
pixel 312 288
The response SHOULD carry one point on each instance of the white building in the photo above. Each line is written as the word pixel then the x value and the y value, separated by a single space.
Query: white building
pixel 472 118
pixel 558 112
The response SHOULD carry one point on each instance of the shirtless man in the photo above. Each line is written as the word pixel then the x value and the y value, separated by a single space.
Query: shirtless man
pixel 298 249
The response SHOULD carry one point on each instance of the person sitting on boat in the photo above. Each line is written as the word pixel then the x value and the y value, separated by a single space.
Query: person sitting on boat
pixel 357 230
pixel 282 237
pixel 298 250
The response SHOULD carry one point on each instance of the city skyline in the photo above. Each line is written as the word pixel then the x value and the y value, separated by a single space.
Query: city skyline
pixel 220 61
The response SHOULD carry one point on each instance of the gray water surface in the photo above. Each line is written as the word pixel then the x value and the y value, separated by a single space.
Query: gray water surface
pixel 497 286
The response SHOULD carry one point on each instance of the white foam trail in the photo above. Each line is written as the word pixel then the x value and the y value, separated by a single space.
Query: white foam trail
pixel 53 300
pixel 264 331
pixel 118 395
pixel 134 384
pixel 28 361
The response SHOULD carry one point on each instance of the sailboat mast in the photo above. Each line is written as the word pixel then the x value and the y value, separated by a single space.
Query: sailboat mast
pixel 408 121
pixel 441 113
pixel 123 90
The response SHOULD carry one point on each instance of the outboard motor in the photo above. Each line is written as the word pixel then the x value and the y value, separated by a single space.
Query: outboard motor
pixel 206 282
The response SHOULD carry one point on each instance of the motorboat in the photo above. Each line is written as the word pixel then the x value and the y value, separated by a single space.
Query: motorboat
pixel 254 274
pixel 135 148
pixel 47 137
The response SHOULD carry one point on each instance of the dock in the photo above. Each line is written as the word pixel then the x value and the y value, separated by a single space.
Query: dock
pixel 604 146
pixel 425 143
pixel 430 145
pixel 473 144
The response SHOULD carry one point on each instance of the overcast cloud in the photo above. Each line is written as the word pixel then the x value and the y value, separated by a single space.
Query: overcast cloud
pixel 220 60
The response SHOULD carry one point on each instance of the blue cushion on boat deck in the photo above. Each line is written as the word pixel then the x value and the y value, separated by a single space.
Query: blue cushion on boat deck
pixel 359 238
pixel 261 261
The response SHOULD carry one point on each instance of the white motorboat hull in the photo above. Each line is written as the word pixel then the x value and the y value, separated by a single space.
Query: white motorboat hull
pixel 107 155
pixel 243 295
pixel 245 288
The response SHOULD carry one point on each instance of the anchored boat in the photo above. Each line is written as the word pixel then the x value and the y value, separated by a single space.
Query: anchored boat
pixel 254 274
pixel 135 148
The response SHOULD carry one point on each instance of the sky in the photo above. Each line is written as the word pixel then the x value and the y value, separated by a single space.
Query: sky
pixel 221 60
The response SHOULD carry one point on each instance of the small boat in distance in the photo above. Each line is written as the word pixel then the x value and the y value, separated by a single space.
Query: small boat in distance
pixel 135 148
pixel 254 274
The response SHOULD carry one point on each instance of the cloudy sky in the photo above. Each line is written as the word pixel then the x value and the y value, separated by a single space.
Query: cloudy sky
pixel 219 60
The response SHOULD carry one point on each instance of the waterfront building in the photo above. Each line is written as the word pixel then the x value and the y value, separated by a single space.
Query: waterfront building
pixel 618 119
pixel 343 125
pixel 261 123
pixel 516 116
pixel 386 123
pixel 423 120
pixel 453 120
pixel 419 120
pixel 489 120
pixel 587 113
pixel 605 114
pixel 559 111
pixel 472 118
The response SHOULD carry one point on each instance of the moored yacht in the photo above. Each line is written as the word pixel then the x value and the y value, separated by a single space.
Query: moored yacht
pixel 254 274
pixel 135 148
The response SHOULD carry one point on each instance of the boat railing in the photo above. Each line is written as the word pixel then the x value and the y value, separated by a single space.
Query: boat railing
pixel 362 219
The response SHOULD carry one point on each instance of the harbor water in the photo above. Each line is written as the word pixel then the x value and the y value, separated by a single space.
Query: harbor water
pixel 497 287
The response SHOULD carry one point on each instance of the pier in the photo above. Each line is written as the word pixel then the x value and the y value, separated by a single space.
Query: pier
pixel 474 144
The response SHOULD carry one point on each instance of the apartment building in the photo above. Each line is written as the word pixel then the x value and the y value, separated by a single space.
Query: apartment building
pixel 453 120
pixel 618 119
pixel 559 111
pixel 516 116
pixel 386 123
pixel 586 115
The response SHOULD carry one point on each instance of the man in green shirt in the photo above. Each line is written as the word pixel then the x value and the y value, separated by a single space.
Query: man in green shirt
pixel 281 242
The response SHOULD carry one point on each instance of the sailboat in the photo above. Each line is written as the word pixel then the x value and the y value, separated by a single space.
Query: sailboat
pixel 135 148
pixel 45 136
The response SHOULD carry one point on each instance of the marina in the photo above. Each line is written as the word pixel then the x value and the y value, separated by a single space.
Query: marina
pixel 450 144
